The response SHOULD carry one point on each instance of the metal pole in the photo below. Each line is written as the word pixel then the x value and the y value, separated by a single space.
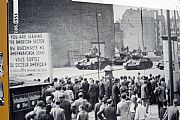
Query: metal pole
pixel 170 59
pixel 98 42
pixel 175 24
pixel 142 28
pixel 176 60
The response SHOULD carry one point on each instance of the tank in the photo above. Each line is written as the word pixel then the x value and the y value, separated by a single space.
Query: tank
pixel 92 63
pixel 121 58
pixel 138 63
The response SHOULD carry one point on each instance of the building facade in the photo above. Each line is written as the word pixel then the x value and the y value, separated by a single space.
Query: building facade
pixel 137 34
pixel 72 26
pixel 118 36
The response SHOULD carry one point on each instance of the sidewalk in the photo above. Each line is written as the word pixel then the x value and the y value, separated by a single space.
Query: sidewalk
pixel 153 113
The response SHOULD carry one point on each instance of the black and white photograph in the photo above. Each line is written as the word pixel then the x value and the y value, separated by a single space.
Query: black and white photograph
pixel 73 60
pixel 1 65
pixel 1 94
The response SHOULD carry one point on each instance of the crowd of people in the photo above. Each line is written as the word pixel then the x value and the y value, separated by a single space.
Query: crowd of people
pixel 127 98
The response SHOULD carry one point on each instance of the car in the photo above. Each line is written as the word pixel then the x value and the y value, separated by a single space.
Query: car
pixel 160 65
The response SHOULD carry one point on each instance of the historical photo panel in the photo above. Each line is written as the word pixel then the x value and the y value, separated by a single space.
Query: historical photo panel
pixel 63 53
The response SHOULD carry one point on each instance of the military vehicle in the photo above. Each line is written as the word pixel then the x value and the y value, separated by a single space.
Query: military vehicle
pixel 138 63
pixel 92 63
pixel 121 58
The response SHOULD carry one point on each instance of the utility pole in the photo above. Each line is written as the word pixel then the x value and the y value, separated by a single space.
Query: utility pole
pixel 99 53
pixel 170 59
pixel 142 29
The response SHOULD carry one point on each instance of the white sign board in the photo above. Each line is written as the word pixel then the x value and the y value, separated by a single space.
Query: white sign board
pixel 30 54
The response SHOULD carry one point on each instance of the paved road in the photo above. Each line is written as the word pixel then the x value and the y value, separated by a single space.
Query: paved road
pixel 153 113
pixel 74 72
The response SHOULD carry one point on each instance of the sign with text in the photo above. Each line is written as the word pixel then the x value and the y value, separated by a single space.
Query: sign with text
pixel 25 101
pixel 20 102
pixel 33 97
pixel 29 54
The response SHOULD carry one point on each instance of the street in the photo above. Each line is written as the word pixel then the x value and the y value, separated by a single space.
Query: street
pixel 74 73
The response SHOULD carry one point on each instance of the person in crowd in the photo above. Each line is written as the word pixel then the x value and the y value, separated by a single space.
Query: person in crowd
pixel 163 111
pixel 37 112
pixel 76 88
pixel 47 115
pixel 101 88
pixel 102 107
pixel 145 94
pixel 139 76
pixel 92 93
pixel 57 93
pixel 123 107
pixel 126 82
pixel 153 85
pixel 85 88
pixel 132 88
pixel 140 111
pixel 162 80
pixel 160 94
pixel 115 92
pixel 66 105
pixel 82 114
pixel 48 90
pixel 49 100
pixel 150 76
pixel 57 112
pixel 97 90
pixel 108 88
pixel 69 84
pixel 69 93
pixel 97 107
pixel 138 89
pixel 109 112
pixel 56 83
pixel 133 106
pixel 173 112
pixel 81 101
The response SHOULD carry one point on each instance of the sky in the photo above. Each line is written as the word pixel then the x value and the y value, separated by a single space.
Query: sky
pixel 118 11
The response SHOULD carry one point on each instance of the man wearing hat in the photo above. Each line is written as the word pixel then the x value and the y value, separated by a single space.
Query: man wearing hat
pixel 66 105
pixel 85 88
pixel 115 92
pixel 81 101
